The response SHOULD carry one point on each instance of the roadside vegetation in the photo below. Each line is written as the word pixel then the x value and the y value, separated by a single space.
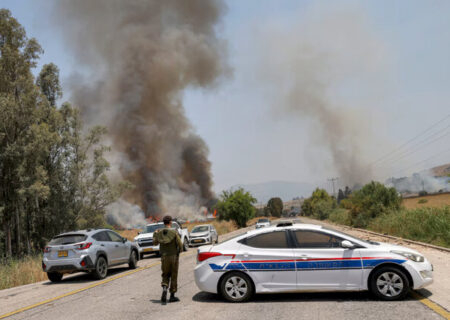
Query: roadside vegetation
pixel 16 272
pixel 53 170
pixel 236 206
pixel 380 209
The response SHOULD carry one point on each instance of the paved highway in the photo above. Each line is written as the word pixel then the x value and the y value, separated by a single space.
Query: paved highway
pixel 135 295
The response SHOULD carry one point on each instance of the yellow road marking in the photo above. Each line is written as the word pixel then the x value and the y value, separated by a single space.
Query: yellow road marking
pixel 82 289
pixel 430 304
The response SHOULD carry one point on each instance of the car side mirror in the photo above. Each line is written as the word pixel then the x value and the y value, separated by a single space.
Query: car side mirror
pixel 124 240
pixel 347 244
pixel 139 232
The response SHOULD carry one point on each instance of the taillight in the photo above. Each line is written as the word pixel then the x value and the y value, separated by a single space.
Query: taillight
pixel 84 246
pixel 202 256
pixel 47 249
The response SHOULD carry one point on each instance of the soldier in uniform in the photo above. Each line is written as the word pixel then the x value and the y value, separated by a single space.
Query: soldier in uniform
pixel 170 246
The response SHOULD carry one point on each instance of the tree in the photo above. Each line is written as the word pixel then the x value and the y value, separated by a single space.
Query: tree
pixel 340 196
pixel 237 206
pixel 372 200
pixel 275 206
pixel 48 82
pixel 319 205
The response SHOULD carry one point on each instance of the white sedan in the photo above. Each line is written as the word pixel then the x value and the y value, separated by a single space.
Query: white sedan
pixel 302 257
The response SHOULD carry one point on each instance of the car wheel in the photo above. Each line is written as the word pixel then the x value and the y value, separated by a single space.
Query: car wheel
pixel 389 283
pixel 236 287
pixel 54 276
pixel 217 240
pixel 185 245
pixel 101 268
pixel 132 264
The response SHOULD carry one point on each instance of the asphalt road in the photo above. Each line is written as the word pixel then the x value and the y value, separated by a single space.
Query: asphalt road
pixel 136 296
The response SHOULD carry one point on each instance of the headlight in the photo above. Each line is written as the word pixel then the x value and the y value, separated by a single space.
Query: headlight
pixel 411 256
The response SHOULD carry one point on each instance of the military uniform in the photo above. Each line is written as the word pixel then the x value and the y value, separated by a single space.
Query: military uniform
pixel 170 246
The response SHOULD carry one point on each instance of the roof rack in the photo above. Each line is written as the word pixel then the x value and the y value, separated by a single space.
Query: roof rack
pixel 284 224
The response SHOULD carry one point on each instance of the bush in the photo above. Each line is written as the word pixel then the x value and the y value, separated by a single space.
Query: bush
pixel 275 206
pixel 431 225
pixel 422 201
pixel 340 216
pixel 370 201
pixel 319 205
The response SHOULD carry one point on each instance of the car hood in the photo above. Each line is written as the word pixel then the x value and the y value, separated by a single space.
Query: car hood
pixel 392 247
pixel 143 236
pixel 199 234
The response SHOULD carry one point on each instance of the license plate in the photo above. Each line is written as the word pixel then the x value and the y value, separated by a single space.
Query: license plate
pixel 147 250
pixel 63 253
pixel 198 240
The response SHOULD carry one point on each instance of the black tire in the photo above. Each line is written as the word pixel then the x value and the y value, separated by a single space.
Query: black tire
pixel 217 240
pixel 101 268
pixel 389 284
pixel 185 245
pixel 54 276
pixel 236 287
pixel 132 263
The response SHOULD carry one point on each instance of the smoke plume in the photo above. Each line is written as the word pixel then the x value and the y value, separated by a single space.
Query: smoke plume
pixel 314 69
pixel 136 58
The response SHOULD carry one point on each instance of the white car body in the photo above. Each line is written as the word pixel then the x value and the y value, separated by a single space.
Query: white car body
pixel 207 236
pixel 144 240
pixel 305 269
pixel 262 223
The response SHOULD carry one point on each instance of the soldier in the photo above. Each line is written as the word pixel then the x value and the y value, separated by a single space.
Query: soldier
pixel 170 246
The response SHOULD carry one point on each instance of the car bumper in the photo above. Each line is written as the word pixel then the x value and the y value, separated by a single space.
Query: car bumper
pixel 200 241
pixel 421 273
pixel 143 250
pixel 83 263
pixel 205 278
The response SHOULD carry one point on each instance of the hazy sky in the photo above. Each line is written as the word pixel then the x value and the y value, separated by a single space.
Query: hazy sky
pixel 386 65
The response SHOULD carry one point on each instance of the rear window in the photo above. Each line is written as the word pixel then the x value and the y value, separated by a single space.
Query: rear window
pixel 263 220
pixel 68 239
pixel 276 239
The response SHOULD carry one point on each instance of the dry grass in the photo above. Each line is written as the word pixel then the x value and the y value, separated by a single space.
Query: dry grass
pixel 18 272
pixel 222 227
pixel 433 201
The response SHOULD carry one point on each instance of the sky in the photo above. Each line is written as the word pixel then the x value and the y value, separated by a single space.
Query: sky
pixel 386 65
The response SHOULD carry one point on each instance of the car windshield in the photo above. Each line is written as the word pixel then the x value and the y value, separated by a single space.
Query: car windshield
pixel 67 239
pixel 153 228
pixel 263 220
pixel 352 237
pixel 200 229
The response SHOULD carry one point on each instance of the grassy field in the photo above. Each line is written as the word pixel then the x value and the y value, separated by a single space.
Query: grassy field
pixel 18 272
pixel 430 201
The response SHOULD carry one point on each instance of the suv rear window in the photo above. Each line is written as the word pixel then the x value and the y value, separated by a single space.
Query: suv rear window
pixel 276 239
pixel 68 239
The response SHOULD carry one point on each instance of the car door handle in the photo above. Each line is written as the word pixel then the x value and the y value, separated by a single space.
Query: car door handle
pixel 117 246
pixel 102 245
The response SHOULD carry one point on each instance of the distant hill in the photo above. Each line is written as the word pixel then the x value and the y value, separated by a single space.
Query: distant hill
pixel 286 190
pixel 441 171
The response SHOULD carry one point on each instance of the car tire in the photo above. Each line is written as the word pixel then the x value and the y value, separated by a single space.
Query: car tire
pixel 236 287
pixel 185 245
pixel 101 268
pixel 217 240
pixel 132 263
pixel 389 283
pixel 54 276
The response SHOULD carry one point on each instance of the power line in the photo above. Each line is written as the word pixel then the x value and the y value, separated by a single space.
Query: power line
pixel 410 140
pixel 425 160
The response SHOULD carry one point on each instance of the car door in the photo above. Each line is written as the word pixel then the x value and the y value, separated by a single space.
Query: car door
pixel 322 264
pixel 269 260
pixel 106 245
pixel 120 249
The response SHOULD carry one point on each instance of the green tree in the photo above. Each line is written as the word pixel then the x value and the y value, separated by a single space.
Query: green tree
pixel 275 206
pixel 236 206
pixel 372 200
pixel 319 205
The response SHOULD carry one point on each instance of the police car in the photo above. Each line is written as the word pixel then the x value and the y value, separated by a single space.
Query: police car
pixel 301 257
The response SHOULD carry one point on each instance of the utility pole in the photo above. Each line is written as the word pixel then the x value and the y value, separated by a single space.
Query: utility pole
pixel 333 180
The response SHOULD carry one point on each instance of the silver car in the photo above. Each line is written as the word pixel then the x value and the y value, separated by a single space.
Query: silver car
pixel 92 250
pixel 203 234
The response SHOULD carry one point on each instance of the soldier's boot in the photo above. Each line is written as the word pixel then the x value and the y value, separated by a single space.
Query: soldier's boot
pixel 173 298
pixel 164 296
